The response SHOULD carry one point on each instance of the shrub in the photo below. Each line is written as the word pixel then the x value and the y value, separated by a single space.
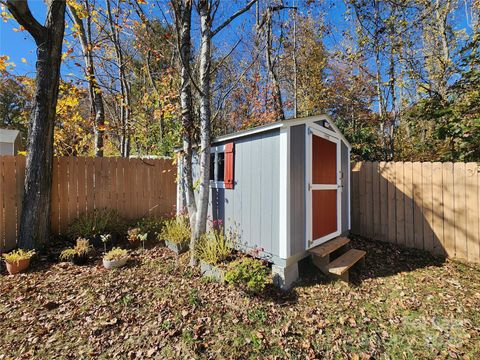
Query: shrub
pixel 149 225
pixel 248 273
pixel 96 222
pixel 176 230
pixel 81 249
pixel 115 254
pixel 214 247
pixel 16 256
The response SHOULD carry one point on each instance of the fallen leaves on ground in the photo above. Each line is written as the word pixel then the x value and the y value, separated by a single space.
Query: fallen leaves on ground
pixel 403 304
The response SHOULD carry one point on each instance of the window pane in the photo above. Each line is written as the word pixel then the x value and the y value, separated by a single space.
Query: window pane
pixel 221 166
pixel 212 166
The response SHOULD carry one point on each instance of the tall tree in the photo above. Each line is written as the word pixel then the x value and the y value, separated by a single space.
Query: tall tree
pixel 95 92
pixel 183 23
pixel 35 218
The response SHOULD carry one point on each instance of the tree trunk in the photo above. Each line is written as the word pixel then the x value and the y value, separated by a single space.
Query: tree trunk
pixel 183 21
pixel 96 97
pixel 35 218
pixel 205 123
pixel 125 106
pixel 277 95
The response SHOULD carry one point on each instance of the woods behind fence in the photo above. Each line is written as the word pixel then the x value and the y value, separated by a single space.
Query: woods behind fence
pixel 430 206
pixel 134 187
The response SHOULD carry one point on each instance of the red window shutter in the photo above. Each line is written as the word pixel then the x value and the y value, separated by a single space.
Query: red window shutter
pixel 229 166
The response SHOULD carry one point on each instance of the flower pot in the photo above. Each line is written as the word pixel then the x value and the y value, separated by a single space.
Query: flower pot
pixel 80 260
pixel 176 248
pixel 16 267
pixel 212 271
pixel 113 264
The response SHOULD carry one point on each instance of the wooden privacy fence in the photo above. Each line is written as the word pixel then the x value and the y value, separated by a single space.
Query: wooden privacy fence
pixel 429 206
pixel 133 187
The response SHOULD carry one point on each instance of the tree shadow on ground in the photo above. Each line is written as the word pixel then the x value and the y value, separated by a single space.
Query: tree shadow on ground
pixel 382 260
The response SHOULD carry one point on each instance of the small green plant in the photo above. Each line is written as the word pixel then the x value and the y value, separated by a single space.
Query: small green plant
pixel 81 250
pixel 116 254
pixel 248 273
pixel 15 256
pixel 176 230
pixel 214 247
pixel 96 222
pixel 105 238
pixel 193 297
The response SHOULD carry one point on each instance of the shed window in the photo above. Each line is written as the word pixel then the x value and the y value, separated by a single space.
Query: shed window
pixel 221 166
pixel 217 166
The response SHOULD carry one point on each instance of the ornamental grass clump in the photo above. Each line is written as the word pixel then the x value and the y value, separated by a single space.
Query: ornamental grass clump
pixel 97 222
pixel 116 254
pixel 214 247
pixel 176 230
pixel 79 253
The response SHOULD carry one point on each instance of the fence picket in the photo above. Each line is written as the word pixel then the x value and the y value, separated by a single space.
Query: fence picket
pixel 376 201
pixel 400 203
pixel 417 205
pixel 354 197
pixel 473 213
pixel 409 214
pixel 437 209
pixel 460 211
pixel 392 208
pixel 448 209
pixel 383 200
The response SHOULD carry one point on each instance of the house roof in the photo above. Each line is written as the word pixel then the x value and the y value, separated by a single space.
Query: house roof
pixel 284 123
pixel 8 136
pixel 281 124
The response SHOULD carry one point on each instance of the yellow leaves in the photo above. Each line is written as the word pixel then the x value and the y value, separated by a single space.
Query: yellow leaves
pixel 67 53
pixel 4 64
pixel 20 29
pixel 24 60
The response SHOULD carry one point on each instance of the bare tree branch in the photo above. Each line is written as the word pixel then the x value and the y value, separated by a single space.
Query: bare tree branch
pixel 233 17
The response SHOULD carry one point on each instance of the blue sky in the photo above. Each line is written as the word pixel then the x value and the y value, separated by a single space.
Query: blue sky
pixel 19 45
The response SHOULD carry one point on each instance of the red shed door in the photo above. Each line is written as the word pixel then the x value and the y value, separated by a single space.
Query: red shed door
pixel 323 188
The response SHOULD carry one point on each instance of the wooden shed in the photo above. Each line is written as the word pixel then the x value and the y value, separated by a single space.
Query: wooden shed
pixel 283 188
pixel 9 142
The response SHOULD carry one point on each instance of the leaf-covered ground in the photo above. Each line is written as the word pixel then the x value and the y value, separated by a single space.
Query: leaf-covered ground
pixel 404 304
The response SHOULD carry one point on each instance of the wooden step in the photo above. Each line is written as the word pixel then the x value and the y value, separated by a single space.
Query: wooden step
pixel 329 247
pixel 340 265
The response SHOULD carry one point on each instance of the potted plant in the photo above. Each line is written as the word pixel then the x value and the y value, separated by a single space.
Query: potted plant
pixel 79 253
pixel 176 234
pixel 115 258
pixel 133 236
pixel 214 249
pixel 18 260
